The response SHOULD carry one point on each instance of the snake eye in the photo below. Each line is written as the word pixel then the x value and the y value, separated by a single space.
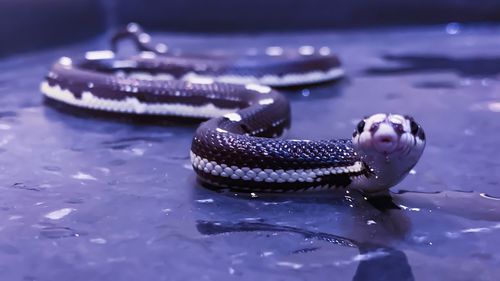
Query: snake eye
pixel 360 127
pixel 414 127
pixel 416 130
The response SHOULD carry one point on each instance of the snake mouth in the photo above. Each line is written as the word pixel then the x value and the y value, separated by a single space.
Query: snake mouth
pixel 385 143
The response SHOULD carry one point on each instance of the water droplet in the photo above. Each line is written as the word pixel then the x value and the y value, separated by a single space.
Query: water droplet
pixel 290 264
pixel 306 50
pixel 494 106
pixel 144 38
pixel 484 195
pixel 59 214
pixel 98 240
pixel 208 200
pixel 65 61
pixel 453 28
pixel 324 51
pixel 132 27
pixel 161 48
pixel 83 176
pixel 274 51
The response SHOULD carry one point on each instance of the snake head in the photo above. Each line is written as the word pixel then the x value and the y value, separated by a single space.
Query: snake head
pixel 390 145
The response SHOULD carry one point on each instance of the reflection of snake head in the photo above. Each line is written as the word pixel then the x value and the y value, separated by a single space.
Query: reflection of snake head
pixel 390 145
pixel 376 262
pixel 219 227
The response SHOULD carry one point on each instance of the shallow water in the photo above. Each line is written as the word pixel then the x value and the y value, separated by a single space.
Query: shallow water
pixel 87 197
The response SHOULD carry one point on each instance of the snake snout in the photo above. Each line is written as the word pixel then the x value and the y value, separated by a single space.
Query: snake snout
pixel 385 139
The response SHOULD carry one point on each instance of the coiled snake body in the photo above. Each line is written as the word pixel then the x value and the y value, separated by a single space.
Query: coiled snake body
pixel 237 147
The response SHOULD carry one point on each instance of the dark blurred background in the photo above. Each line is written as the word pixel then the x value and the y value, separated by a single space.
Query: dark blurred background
pixel 33 24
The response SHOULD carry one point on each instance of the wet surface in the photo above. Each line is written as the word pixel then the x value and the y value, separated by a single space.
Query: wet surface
pixel 409 63
pixel 96 198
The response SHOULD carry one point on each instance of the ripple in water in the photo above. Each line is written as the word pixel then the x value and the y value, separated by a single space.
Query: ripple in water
pixel 57 232
pixel 470 205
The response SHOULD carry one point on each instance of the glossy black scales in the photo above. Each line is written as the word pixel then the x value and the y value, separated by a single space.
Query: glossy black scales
pixel 238 146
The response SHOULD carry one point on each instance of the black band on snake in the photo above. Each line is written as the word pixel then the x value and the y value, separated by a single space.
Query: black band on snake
pixel 237 147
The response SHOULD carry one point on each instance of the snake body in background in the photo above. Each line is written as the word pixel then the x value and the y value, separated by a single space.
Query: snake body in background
pixel 237 147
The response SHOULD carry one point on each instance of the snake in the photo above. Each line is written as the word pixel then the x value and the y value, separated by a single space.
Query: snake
pixel 241 144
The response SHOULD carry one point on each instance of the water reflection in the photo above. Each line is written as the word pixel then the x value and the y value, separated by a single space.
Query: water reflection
pixel 377 258
pixel 376 262
pixel 466 204
pixel 420 63
pixel 435 85
pixel 4 114
pixel 375 226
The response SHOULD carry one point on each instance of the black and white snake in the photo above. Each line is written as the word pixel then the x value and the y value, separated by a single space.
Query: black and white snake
pixel 237 147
